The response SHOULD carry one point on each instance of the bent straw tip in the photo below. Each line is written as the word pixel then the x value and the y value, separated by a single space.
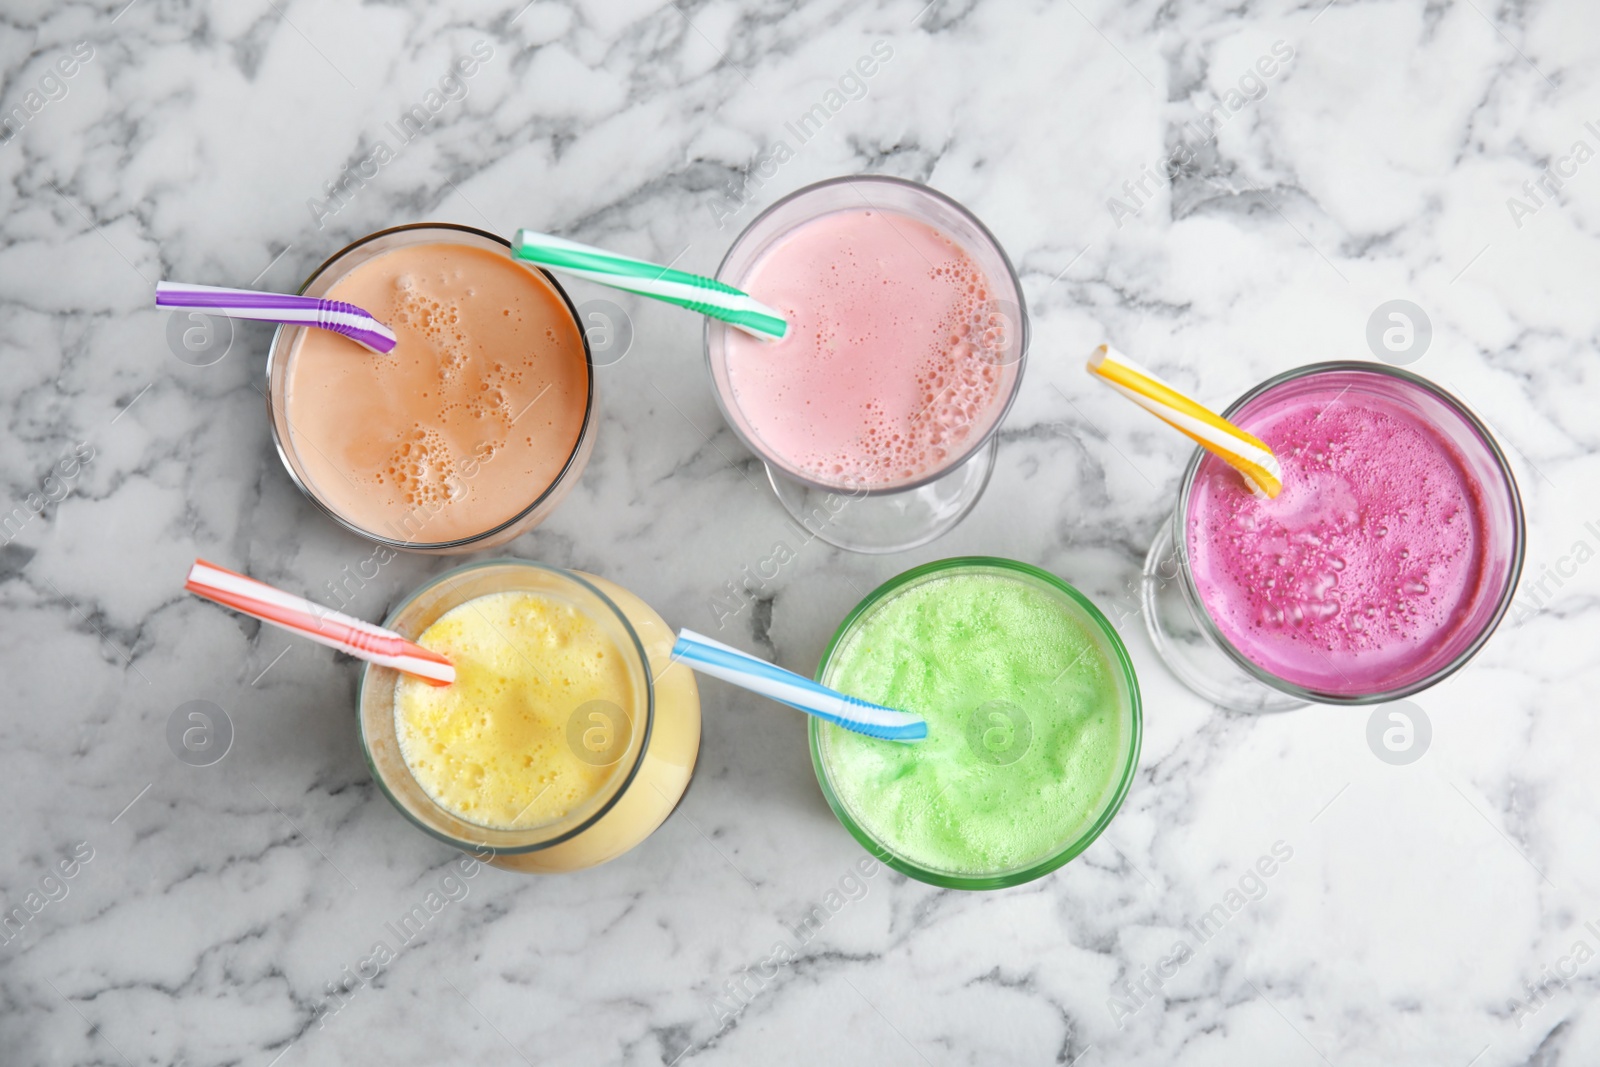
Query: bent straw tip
pixel 1266 488
pixel 380 344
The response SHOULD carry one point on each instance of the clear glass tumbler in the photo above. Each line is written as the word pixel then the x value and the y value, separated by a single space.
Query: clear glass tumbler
pixel 540 500
pixel 651 746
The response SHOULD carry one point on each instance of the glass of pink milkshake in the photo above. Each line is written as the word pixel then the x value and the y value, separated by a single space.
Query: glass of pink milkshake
pixel 1383 566
pixel 876 414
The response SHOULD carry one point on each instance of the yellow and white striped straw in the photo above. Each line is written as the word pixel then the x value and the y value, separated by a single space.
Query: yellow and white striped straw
pixel 1245 452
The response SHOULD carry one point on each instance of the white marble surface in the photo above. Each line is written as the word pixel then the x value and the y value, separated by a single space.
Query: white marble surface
pixel 220 902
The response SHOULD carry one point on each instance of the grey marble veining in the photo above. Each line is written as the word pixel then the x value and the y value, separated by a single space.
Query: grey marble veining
pixel 1154 185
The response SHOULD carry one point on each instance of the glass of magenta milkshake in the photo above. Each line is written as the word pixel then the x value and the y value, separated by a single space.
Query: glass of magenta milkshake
pixel 875 415
pixel 478 423
pixel 1384 565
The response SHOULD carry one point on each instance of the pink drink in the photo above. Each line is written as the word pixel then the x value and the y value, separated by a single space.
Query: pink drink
pixel 891 367
pixel 1372 568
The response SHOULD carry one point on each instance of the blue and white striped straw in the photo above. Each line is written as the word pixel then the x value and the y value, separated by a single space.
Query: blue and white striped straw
pixel 335 315
pixel 796 690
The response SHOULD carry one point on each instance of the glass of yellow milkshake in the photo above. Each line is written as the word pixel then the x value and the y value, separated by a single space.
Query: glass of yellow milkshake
pixel 569 735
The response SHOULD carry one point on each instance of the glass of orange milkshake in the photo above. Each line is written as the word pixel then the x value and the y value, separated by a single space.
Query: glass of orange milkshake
pixel 478 423
pixel 569 734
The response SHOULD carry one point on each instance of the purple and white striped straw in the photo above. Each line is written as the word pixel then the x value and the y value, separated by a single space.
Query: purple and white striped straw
pixel 335 315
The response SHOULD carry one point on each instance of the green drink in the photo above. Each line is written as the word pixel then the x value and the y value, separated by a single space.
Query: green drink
pixel 1033 723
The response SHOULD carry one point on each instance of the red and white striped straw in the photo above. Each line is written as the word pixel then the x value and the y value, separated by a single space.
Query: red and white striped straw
pixel 360 639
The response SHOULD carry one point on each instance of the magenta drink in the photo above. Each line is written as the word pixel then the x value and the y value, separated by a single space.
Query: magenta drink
pixel 1388 558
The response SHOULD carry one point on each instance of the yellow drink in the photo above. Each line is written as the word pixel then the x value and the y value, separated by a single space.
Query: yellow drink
pixel 492 748
pixel 559 746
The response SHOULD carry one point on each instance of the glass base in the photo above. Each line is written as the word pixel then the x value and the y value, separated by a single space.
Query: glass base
pixel 888 522
pixel 1186 649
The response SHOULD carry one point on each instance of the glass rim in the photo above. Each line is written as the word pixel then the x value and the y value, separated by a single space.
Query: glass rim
pixel 637 648
pixel 763 453
pixel 1513 573
pixel 1130 749
pixel 284 448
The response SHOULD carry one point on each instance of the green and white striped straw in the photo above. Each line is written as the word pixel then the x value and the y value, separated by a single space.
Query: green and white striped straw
pixel 705 295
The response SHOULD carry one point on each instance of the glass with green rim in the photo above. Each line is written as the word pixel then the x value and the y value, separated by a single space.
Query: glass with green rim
pixel 1074 839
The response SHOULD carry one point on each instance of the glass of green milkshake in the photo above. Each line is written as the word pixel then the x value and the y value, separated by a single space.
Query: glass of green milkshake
pixel 1033 723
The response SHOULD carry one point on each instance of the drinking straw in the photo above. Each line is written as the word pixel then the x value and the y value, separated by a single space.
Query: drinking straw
pixel 705 295
pixel 796 690
pixel 360 639
pixel 335 315
pixel 1243 451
